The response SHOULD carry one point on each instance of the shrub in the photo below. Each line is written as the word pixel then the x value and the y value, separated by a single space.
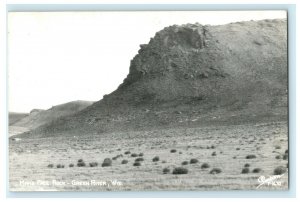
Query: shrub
pixel 139 159
pixel 256 170
pixel 215 171
pixel 71 165
pixel 180 152
pixel 107 162
pixel 156 158
pixel 81 164
pixel 180 170
pixel 60 166
pixel 237 149
pixel 278 157
pixel 212 147
pixel 279 170
pixel 247 165
pixel 173 150
pixel 80 160
pixel 251 156
pixel 124 161
pixel 184 163
pixel 50 166
pixel 214 154
pixel 193 161
pixel 164 161
pixel 285 157
pixel 245 170
pixel 114 158
pixel 134 155
pixel 127 152
pixel 286 151
pixel 93 164
pixel 141 154
pixel 137 163
pixel 166 170
pixel 277 147
pixel 205 165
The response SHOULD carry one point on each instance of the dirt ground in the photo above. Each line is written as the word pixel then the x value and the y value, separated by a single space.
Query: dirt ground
pixel 224 147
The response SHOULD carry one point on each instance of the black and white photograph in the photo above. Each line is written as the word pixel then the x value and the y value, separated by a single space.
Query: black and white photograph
pixel 148 101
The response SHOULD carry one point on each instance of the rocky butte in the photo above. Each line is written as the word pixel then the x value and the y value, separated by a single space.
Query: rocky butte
pixel 193 75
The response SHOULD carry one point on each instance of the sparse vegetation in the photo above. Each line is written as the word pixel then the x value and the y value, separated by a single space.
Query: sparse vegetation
pixel 134 155
pixel 116 157
pixel 71 165
pixel 81 164
pixel 256 170
pixel 107 162
pixel 215 171
pixel 247 165
pixel 137 163
pixel 156 158
pixel 245 170
pixel 205 165
pixel 166 170
pixel 60 166
pixel 50 166
pixel 139 159
pixel 184 163
pixel 251 156
pixel 193 161
pixel 93 164
pixel 124 161
pixel 180 171
pixel 279 170
pixel 214 154
pixel 173 151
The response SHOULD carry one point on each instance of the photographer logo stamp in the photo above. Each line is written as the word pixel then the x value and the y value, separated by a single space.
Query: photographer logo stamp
pixel 273 180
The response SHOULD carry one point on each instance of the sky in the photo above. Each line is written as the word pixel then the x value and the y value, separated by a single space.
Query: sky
pixel 58 57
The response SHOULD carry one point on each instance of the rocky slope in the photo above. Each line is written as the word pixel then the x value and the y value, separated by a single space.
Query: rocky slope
pixel 192 75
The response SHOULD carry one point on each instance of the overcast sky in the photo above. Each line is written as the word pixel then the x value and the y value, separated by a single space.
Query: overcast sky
pixel 57 57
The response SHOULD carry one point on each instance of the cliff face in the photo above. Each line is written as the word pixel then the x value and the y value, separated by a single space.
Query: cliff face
pixel 191 75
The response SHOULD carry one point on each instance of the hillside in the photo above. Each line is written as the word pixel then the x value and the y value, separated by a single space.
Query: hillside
pixel 39 117
pixel 13 117
pixel 193 75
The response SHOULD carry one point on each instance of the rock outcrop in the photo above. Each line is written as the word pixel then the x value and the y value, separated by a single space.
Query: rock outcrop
pixel 192 74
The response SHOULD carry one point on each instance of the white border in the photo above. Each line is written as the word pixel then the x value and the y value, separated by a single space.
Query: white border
pixel 3 112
